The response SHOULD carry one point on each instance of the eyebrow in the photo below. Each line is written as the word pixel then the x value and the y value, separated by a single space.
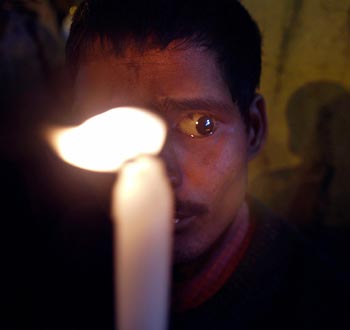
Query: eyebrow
pixel 194 104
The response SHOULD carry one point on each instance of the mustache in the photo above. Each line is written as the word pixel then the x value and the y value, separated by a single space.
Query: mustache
pixel 190 208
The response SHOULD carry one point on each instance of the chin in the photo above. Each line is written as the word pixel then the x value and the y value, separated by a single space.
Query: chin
pixel 188 250
pixel 183 257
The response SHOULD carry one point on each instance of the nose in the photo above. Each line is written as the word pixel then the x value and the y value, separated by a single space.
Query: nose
pixel 171 160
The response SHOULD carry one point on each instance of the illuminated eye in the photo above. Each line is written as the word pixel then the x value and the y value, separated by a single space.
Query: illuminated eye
pixel 197 125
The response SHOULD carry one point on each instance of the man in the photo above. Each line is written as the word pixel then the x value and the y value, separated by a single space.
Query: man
pixel 197 65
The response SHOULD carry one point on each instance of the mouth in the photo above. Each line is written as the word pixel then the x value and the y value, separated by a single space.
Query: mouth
pixel 183 223
pixel 186 213
pixel 180 219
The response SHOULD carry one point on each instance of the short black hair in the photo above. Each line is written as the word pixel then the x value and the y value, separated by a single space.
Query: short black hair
pixel 222 26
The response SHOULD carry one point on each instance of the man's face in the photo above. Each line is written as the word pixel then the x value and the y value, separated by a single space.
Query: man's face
pixel 206 152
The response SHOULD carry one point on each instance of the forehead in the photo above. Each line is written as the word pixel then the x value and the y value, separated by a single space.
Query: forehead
pixel 148 77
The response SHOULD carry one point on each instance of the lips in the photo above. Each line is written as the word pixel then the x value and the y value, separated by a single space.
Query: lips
pixel 180 219
pixel 187 211
pixel 181 224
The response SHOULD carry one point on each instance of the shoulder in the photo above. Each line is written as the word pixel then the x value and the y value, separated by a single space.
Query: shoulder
pixel 306 287
pixel 282 282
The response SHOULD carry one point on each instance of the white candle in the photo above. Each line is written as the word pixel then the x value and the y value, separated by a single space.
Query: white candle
pixel 142 206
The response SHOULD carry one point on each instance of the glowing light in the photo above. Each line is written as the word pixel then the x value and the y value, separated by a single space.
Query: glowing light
pixel 142 206
pixel 104 142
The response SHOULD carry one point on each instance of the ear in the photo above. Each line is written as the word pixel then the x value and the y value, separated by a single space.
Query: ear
pixel 257 130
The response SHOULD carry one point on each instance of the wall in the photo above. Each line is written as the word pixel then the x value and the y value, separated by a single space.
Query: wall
pixel 306 69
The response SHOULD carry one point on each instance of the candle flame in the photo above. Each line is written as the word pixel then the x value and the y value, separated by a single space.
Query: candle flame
pixel 104 142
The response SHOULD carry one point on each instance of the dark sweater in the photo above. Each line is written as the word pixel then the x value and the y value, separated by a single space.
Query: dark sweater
pixel 282 283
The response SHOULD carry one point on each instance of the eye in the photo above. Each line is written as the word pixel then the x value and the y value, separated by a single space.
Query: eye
pixel 197 125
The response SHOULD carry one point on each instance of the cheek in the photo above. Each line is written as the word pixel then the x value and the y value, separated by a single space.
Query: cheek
pixel 215 167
